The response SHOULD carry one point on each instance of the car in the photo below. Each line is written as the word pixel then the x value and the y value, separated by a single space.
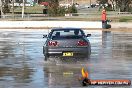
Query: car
pixel 87 6
pixel 67 43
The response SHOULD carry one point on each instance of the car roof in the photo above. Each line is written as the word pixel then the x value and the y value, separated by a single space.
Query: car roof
pixel 66 29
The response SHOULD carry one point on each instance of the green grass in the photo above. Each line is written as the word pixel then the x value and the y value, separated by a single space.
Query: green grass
pixel 34 9
pixel 126 19
pixel 30 9
pixel 92 17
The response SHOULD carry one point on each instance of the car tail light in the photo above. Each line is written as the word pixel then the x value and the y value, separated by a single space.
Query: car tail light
pixel 52 43
pixel 82 43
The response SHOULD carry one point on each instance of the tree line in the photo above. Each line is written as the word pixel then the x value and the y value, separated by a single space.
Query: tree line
pixel 121 5
pixel 115 5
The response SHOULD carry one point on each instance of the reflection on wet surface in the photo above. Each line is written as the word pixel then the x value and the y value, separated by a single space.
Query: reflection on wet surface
pixel 22 64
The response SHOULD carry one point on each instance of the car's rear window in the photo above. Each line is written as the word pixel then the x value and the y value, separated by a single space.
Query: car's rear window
pixel 67 34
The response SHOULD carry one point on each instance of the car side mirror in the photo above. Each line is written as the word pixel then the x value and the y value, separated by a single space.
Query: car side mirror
pixel 88 35
pixel 44 36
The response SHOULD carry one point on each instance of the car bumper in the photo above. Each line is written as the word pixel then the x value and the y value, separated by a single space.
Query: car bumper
pixel 77 52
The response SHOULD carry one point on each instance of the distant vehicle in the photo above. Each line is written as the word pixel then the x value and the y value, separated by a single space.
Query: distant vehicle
pixel 87 6
pixel 44 3
pixel 67 42
pixel 76 5
pixel 65 5
pixel 83 6
pixel 93 5
pixel 21 4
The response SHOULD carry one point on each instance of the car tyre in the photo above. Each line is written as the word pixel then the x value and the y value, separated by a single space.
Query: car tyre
pixel 46 57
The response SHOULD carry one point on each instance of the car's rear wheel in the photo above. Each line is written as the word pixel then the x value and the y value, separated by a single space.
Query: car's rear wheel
pixel 46 57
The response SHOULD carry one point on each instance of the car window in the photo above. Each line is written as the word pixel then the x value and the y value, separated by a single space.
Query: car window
pixel 67 34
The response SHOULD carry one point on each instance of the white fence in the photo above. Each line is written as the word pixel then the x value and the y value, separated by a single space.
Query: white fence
pixel 31 24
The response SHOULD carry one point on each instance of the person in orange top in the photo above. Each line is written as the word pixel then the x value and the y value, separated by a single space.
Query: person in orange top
pixel 104 15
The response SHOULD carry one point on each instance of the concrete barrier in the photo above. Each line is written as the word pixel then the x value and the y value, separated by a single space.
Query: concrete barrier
pixel 31 24
pixel 121 24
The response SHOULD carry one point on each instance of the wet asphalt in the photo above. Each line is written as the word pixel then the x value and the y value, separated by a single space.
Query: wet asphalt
pixel 22 62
